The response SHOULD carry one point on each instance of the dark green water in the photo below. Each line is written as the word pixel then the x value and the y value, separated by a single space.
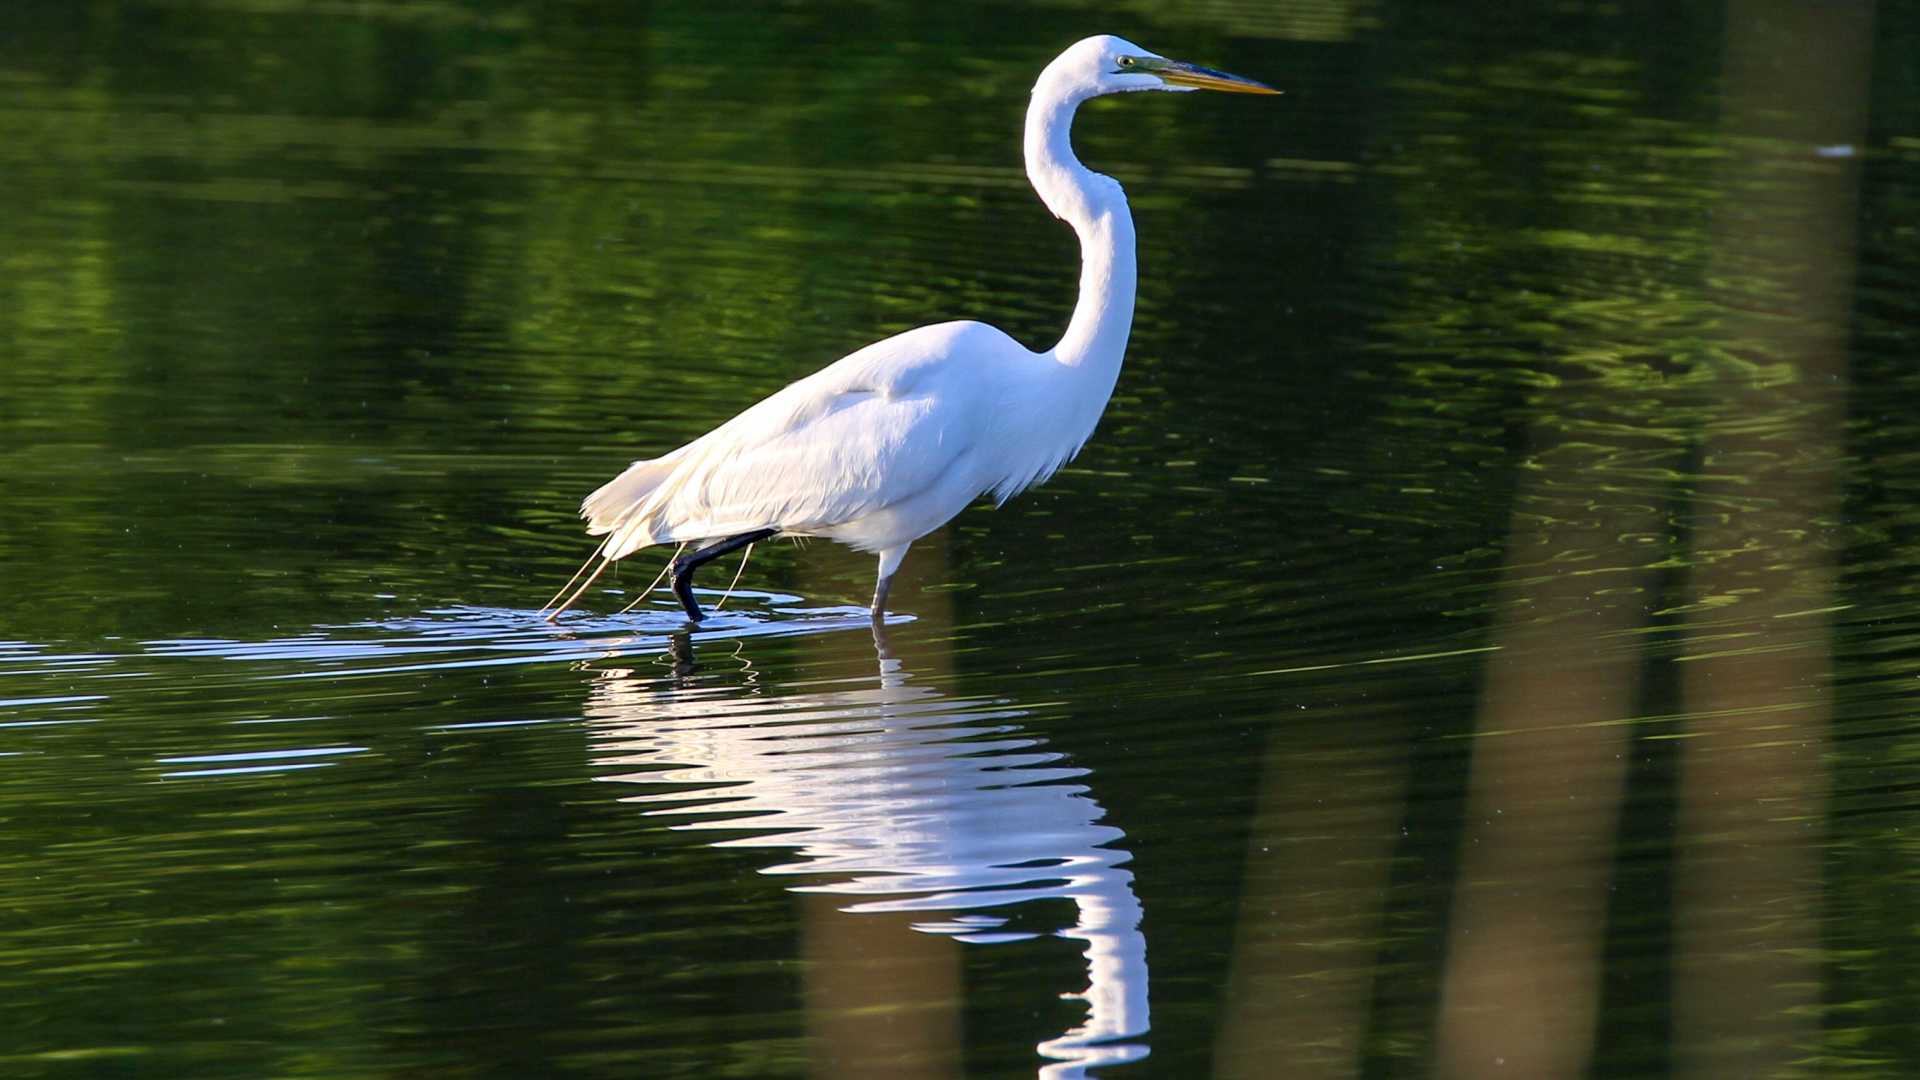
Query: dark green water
pixel 1482 639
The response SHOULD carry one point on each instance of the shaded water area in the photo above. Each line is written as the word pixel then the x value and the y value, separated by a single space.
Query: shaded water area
pixel 1482 637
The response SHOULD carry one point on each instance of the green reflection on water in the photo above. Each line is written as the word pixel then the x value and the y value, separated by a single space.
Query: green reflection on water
pixel 1487 366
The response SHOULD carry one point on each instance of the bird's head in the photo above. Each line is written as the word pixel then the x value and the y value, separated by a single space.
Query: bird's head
pixel 1104 64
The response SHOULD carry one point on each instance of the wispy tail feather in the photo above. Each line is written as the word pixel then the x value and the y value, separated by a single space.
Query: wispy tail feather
pixel 574 598
pixel 544 608
pixel 614 507
pixel 614 501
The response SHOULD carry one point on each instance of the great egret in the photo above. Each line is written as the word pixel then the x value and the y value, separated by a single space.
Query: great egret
pixel 886 445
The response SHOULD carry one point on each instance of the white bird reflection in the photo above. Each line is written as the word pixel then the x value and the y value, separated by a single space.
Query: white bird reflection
pixel 914 802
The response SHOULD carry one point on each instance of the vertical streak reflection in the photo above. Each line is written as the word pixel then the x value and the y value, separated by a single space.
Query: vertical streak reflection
pixel 1308 931
pixel 1520 993
pixel 1754 780
pixel 882 1001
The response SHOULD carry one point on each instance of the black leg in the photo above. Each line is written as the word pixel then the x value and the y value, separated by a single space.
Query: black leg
pixel 685 565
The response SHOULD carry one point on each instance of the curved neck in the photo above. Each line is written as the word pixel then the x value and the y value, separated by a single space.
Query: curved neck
pixel 1094 205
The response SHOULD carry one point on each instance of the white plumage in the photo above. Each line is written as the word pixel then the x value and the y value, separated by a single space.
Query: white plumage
pixel 868 451
pixel 886 445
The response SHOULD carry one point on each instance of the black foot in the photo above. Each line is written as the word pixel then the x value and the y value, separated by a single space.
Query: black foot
pixel 683 567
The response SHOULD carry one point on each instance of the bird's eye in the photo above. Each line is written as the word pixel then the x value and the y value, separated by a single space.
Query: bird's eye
pixel 1126 61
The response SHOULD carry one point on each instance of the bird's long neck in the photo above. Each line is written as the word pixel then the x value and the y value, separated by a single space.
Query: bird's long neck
pixel 1096 338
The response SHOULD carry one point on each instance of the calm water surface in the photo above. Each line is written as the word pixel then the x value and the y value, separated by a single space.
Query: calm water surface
pixel 1482 638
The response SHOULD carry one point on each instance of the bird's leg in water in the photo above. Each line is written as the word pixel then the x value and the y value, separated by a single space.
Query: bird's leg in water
pixel 890 560
pixel 683 567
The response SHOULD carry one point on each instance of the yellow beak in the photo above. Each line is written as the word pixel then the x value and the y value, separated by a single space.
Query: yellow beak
pixel 1181 73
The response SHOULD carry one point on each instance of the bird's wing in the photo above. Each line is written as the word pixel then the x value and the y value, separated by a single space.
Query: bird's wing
pixel 863 434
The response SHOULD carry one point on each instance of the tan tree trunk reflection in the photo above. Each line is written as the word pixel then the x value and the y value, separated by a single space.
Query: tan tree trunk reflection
pixel 1522 979
pixel 883 1000
pixel 1520 994
pixel 1754 779
pixel 1308 929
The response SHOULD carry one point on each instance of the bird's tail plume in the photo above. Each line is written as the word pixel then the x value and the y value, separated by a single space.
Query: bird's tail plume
pixel 612 502
pixel 574 596
pixel 610 509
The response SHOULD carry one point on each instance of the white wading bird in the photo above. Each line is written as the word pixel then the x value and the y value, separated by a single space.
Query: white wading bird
pixel 888 444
